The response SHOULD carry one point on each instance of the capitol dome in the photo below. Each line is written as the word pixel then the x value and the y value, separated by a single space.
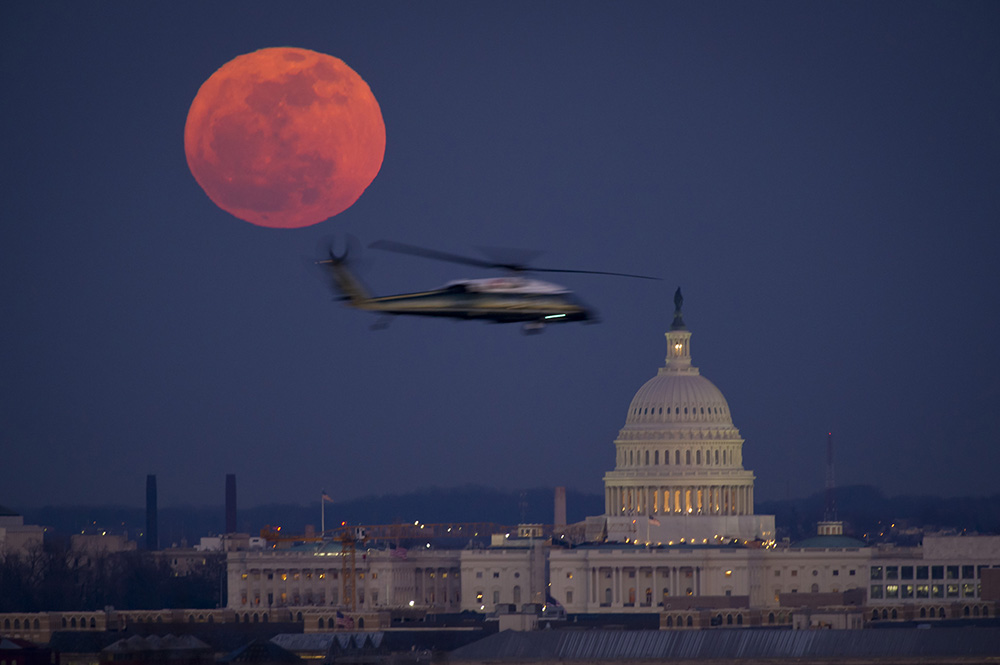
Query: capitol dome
pixel 684 399
pixel 679 458
pixel 679 397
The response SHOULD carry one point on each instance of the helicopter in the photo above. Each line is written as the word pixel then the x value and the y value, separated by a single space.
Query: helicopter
pixel 510 299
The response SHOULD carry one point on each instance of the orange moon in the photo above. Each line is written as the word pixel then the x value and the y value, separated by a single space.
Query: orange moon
pixel 284 137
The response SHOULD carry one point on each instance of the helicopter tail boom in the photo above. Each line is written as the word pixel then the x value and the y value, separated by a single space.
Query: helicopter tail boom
pixel 346 282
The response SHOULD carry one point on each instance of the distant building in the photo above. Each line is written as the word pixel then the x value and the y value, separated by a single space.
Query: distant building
pixel 16 537
pixel 100 543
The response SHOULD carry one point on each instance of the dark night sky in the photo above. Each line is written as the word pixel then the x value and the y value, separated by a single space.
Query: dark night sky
pixel 821 178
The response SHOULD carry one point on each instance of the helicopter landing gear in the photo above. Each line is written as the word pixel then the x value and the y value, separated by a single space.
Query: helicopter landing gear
pixel 533 328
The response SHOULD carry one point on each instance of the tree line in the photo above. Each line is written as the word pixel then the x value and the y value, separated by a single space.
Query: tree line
pixel 51 578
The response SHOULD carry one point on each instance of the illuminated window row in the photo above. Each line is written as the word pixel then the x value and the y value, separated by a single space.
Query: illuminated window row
pixel 905 591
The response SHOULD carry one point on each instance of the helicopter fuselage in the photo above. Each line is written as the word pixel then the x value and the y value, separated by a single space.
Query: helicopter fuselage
pixel 500 300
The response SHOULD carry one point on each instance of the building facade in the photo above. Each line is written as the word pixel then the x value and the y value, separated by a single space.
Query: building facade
pixel 679 538
pixel 262 580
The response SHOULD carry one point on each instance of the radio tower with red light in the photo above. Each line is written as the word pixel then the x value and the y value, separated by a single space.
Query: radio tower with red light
pixel 830 526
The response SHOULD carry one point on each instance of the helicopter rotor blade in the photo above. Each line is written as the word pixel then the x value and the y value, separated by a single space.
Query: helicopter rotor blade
pixel 413 250
pixel 404 248
pixel 593 272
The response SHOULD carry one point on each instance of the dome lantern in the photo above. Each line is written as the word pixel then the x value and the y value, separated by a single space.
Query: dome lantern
pixel 678 341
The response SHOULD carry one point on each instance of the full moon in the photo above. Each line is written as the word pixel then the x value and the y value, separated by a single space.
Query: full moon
pixel 284 137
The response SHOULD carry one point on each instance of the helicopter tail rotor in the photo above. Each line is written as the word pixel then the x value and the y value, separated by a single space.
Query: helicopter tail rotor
pixel 343 281
pixel 328 246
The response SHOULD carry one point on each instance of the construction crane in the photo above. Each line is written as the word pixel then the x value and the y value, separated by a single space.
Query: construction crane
pixel 348 536
pixel 348 566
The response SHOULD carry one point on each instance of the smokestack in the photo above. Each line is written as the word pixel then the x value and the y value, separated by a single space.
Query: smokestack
pixel 560 516
pixel 230 503
pixel 152 534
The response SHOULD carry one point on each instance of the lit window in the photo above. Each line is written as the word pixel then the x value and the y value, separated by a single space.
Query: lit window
pixel 569 576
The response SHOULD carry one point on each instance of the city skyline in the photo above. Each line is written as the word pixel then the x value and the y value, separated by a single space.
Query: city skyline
pixel 820 180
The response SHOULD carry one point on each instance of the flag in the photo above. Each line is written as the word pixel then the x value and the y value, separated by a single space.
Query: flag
pixel 327 497
pixel 654 521
pixel 347 623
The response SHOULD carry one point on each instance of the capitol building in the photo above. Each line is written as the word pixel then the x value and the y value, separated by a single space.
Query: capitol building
pixel 679 460
pixel 679 540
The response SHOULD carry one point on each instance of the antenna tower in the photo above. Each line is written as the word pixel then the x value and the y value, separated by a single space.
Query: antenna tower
pixel 830 512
